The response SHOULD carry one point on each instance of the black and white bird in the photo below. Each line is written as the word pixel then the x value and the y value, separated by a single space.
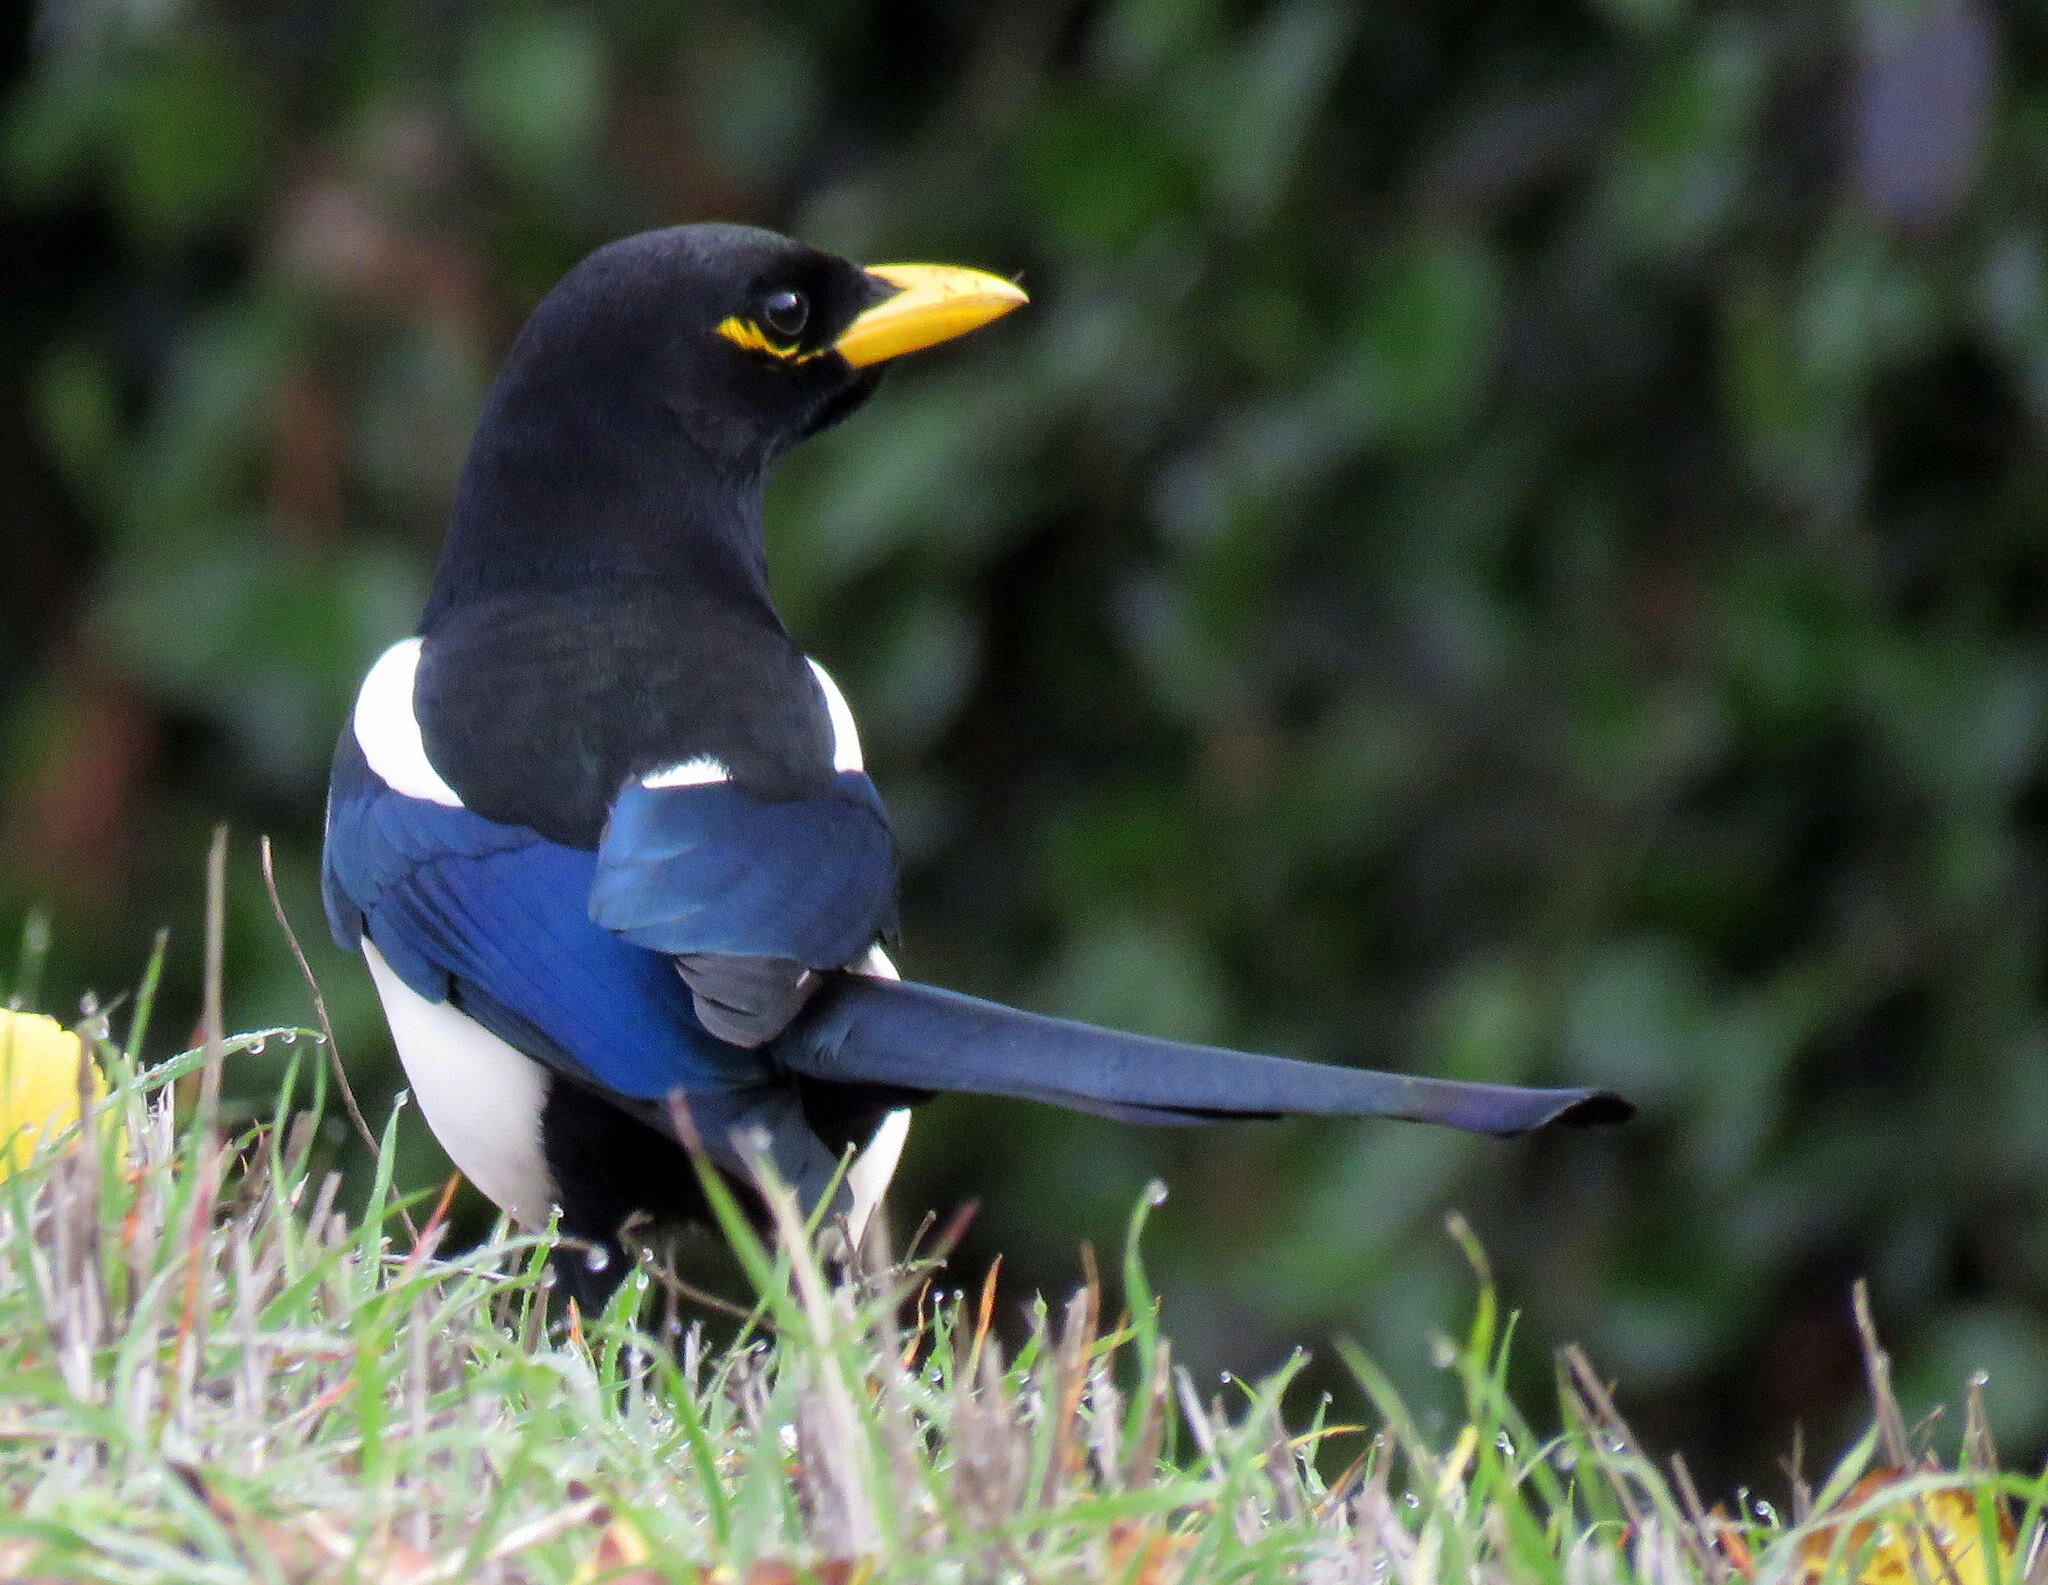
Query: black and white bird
pixel 603 832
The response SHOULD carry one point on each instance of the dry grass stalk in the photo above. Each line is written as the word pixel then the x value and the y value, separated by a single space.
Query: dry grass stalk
pixel 208 1372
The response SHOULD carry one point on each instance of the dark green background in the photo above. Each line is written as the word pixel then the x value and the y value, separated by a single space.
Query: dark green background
pixel 1509 542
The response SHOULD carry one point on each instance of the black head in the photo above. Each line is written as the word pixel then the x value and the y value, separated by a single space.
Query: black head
pixel 737 337
pixel 723 331
pixel 634 421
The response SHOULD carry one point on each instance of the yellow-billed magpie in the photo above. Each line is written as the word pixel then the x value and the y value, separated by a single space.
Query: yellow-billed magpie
pixel 602 830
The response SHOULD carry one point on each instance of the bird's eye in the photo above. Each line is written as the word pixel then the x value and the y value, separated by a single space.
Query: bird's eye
pixel 786 313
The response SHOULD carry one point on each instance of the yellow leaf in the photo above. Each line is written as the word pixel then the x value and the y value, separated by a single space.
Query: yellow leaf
pixel 1934 1538
pixel 39 1069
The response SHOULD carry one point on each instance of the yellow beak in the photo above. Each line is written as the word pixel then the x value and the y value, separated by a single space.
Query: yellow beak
pixel 933 303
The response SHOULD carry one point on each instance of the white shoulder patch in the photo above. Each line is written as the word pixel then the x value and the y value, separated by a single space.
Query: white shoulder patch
pixel 702 771
pixel 389 732
pixel 845 735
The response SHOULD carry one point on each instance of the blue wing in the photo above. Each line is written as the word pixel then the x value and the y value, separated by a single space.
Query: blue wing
pixel 708 870
pixel 751 898
pixel 498 919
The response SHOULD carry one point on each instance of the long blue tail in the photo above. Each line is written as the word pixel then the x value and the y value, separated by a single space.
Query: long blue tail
pixel 918 1037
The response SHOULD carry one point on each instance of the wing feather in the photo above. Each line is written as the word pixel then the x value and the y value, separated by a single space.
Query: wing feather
pixel 752 898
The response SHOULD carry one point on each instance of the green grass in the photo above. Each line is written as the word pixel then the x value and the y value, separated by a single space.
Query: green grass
pixel 212 1370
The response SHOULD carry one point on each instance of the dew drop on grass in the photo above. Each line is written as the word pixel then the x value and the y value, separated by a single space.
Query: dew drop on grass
pixel 1442 1353
pixel 1155 1192
pixel 597 1258
pixel 1411 1501
pixel 255 1047
pixel 1566 1457
pixel 290 1037
pixel 1766 1512
pixel 1505 1443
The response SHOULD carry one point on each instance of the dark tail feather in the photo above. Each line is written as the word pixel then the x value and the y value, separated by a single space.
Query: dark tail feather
pixel 919 1037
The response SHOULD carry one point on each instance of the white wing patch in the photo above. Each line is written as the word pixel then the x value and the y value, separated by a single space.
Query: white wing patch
pixel 702 771
pixel 389 732
pixel 481 1097
pixel 845 735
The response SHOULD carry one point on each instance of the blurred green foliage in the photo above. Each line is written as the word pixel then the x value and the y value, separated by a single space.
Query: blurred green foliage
pixel 1512 541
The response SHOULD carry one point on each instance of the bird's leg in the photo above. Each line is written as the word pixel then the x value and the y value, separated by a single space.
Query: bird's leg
pixel 589 1261
pixel 608 1168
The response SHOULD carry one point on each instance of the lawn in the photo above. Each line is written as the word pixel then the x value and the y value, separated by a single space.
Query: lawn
pixel 212 1368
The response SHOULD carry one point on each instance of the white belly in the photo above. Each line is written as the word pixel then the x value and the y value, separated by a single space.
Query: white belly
pixel 483 1100
pixel 481 1097
pixel 868 1179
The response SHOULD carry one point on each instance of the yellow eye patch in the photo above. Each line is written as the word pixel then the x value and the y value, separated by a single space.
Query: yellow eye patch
pixel 745 333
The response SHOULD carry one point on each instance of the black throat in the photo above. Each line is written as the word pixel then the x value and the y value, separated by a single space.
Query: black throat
pixel 602 610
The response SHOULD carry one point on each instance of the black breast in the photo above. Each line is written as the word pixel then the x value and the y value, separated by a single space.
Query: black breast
pixel 537 708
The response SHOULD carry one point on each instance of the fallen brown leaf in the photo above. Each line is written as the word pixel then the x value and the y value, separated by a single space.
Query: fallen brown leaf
pixel 779 1571
pixel 1143 1552
pixel 1725 1536
pixel 311 1549
pixel 620 1556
